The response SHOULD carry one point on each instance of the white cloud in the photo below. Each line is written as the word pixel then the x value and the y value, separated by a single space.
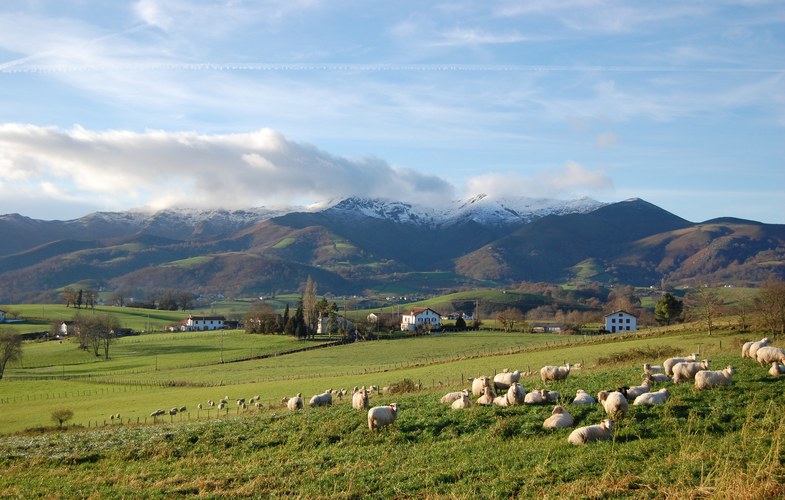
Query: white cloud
pixel 606 140
pixel 572 180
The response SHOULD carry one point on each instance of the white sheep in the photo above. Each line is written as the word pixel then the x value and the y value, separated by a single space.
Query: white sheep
pixel 614 403
pixel 453 396
pixel 551 396
pixel 295 403
pixel 635 391
pixel 479 384
pixel 380 416
pixel 555 372
pixel 534 397
pixel 559 419
pixel 686 370
pixel 360 399
pixel 487 397
pixel 323 399
pixel 668 363
pixel 707 379
pixel 503 381
pixel 776 369
pixel 589 433
pixel 768 354
pixel 656 377
pixel 157 413
pixel 464 401
pixel 514 396
pixel 647 368
pixel 652 398
pixel 755 347
pixel 583 398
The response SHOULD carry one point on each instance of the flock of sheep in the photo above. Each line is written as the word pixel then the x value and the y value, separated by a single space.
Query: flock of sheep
pixel 505 390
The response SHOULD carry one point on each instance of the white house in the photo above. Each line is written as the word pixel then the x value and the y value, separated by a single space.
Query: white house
pixel 67 328
pixel 203 323
pixel 421 318
pixel 340 324
pixel 620 321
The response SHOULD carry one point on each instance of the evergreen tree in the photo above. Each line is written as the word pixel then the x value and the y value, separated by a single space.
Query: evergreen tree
pixel 286 319
pixel 668 309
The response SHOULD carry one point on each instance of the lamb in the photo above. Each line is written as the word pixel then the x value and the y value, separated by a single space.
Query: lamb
pixel 755 346
pixel 454 396
pixel 635 391
pixel 768 354
pixel 555 372
pixel 652 398
pixel 464 401
pixel 360 399
pixel 487 397
pixel 514 396
pixel 295 403
pixel 776 369
pixel 707 379
pixel 380 416
pixel 583 398
pixel 686 370
pixel 589 433
pixel 479 384
pixel 535 397
pixel 559 419
pixel 615 404
pixel 323 399
pixel 647 368
pixel 668 364
pixel 503 381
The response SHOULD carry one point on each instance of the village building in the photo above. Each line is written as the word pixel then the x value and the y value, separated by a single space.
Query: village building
pixel 200 323
pixel 620 321
pixel 421 318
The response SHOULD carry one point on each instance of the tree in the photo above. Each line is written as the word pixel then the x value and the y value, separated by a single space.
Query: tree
pixel 10 349
pixel 460 324
pixel 78 301
pixel 185 300
pixel 707 306
pixel 68 295
pixel 96 332
pixel 668 309
pixel 508 318
pixel 770 306
pixel 118 298
pixel 90 296
pixel 61 416
pixel 310 306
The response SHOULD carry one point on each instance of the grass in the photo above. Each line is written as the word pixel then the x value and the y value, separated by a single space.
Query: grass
pixel 190 263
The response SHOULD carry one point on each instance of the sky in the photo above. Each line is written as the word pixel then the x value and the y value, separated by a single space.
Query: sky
pixel 150 104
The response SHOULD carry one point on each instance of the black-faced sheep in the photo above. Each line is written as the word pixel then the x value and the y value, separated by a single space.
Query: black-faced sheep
pixel 668 363
pixel 589 433
pixel 707 379
pixel 555 372
pixel 380 416
pixel 768 354
pixel 652 398
pixel 559 419
pixel 583 398
pixel 295 403
pixel 614 403
pixel 686 370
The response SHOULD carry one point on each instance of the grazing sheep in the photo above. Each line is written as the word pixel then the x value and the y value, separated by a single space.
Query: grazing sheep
pixel 583 398
pixel 635 391
pixel 323 399
pixel 464 401
pixel 360 399
pixel 514 396
pixel 668 363
pixel 589 433
pixel 158 413
pixel 656 377
pixel 648 369
pixel 221 405
pixel 652 398
pixel 210 402
pixel 686 370
pixel 535 397
pixel 173 411
pixel 380 416
pixel 454 396
pixel 755 346
pixel 551 396
pixel 768 354
pixel 479 384
pixel 555 372
pixel 707 379
pixel 559 419
pixel 503 381
pixel 615 404
pixel 295 403
pixel 776 369
pixel 487 397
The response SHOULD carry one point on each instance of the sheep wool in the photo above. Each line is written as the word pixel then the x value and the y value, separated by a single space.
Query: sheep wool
pixel 450 397
pixel 755 346
pixel 590 433
pixel 670 362
pixel 707 379
pixel 555 372
pixel 583 398
pixel 503 381
pixel 686 370
pixel 479 384
pixel 559 419
pixel 768 354
pixel 464 401
pixel 381 416
pixel 614 403
pixel 295 403
pixel 652 398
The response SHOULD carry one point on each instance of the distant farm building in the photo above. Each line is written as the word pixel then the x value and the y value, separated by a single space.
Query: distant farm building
pixel 547 328
pixel 200 323
pixel 340 324
pixel 620 321
pixel 421 318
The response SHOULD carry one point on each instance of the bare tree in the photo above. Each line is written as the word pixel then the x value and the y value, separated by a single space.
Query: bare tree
pixel 509 318
pixel 706 305
pixel 770 306
pixel 10 349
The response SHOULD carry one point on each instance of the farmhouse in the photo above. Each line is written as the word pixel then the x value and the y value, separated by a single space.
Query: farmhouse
pixel 340 323
pixel 620 321
pixel 421 318
pixel 382 319
pixel 547 327
pixel 67 328
pixel 196 323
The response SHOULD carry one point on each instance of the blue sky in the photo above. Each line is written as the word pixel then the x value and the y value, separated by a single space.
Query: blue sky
pixel 153 103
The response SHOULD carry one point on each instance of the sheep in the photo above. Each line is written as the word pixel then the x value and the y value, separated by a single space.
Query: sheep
pixel 551 396
pixel 380 416
pixel 514 396
pixel 648 369
pixel 487 397
pixel 686 370
pixel 656 377
pixel 635 391
pixel 583 398
pixel 360 399
pixel 652 398
pixel 555 372
pixel 479 384
pixel 559 419
pixel 454 396
pixel 707 379
pixel 615 403
pixel 295 403
pixel 755 346
pixel 503 381
pixel 767 354
pixel 173 411
pixel 668 363
pixel 589 433
pixel 210 402
pixel 535 397
pixel 464 401
pixel 158 413
pixel 776 369
pixel 323 399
